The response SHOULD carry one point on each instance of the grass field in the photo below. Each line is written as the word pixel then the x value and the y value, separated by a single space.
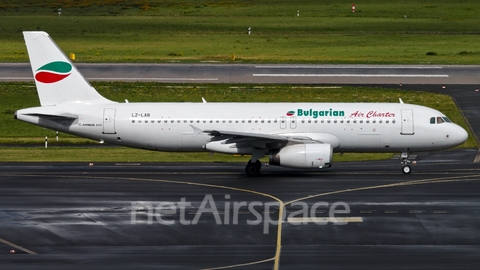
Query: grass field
pixel 433 32
pixel 65 154
pixel 394 32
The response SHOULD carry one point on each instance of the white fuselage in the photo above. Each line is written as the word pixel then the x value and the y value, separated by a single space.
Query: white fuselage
pixel 348 127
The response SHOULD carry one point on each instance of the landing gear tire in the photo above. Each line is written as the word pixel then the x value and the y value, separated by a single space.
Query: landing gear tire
pixel 406 169
pixel 253 168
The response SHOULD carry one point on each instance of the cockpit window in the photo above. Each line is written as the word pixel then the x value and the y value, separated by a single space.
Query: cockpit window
pixel 439 120
pixel 446 119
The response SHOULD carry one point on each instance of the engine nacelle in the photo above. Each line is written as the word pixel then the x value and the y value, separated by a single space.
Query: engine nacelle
pixel 303 156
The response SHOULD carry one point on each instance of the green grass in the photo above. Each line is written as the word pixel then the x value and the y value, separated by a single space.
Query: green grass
pixel 192 31
pixel 433 32
pixel 121 154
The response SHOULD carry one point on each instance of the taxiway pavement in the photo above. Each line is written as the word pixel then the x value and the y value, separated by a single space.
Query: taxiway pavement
pixel 111 216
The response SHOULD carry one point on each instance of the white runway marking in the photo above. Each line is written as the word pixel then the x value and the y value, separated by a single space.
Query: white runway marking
pixel 126 78
pixel 349 66
pixel 355 75
pixel 156 79
pixel 16 78
pixel 324 219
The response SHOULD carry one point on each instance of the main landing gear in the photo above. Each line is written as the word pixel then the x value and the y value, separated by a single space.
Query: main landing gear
pixel 253 168
pixel 254 165
pixel 406 168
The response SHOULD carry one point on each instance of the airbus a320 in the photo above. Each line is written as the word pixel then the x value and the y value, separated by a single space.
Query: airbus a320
pixel 294 135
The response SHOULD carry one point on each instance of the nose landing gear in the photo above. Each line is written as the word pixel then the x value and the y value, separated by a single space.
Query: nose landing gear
pixel 406 168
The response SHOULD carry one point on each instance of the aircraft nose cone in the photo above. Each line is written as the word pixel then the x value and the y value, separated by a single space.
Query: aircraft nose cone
pixel 462 135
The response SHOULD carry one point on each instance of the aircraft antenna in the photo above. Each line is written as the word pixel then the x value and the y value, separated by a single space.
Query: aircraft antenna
pixel 401 101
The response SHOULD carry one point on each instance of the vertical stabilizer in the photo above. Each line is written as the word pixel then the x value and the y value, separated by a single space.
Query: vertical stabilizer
pixel 56 78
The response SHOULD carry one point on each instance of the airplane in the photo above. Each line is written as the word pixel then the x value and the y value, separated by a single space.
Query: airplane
pixel 293 135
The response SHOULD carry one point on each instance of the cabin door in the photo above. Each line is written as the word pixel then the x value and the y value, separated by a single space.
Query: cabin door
pixel 407 122
pixel 109 121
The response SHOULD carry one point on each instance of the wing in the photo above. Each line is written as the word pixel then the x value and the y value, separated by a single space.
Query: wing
pixel 237 139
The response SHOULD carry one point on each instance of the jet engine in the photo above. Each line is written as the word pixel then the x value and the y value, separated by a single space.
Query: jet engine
pixel 303 156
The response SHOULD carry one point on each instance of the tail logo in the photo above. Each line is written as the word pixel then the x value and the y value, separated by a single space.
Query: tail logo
pixel 53 72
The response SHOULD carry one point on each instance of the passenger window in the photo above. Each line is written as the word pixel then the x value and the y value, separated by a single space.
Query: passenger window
pixel 393 121
pixel 133 121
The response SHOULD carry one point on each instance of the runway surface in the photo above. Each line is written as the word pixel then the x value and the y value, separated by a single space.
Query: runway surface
pixel 97 217
pixel 265 73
